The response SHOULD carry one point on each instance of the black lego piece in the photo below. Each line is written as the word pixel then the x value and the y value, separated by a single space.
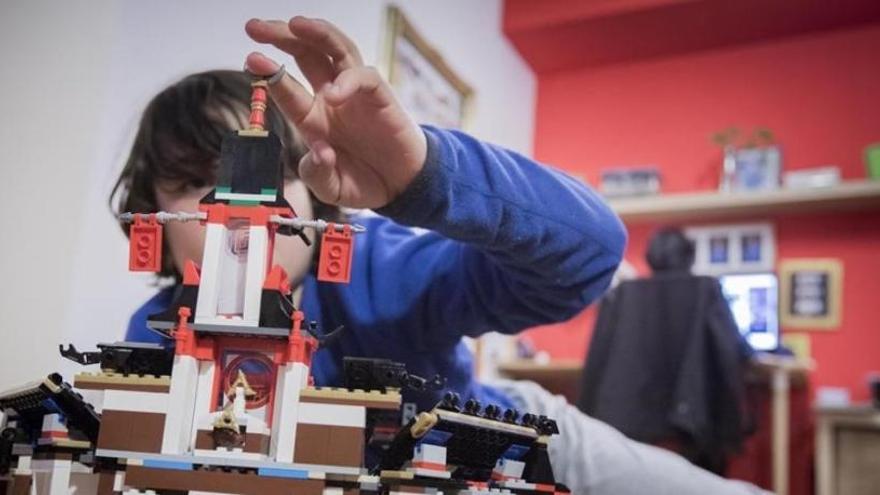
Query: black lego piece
pixel 382 374
pixel 250 165
pixel 134 358
pixel 537 465
pixel 9 436
pixel 53 395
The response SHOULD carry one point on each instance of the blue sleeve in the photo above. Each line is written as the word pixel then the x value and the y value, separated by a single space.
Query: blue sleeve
pixel 137 326
pixel 513 244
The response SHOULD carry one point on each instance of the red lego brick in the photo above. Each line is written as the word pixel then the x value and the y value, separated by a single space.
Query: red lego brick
pixel 145 244
pixel 334 264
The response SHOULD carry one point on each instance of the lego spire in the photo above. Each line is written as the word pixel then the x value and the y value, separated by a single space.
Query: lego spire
pixel 257 119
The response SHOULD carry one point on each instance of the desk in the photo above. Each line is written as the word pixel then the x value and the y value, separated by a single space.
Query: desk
pixel 781 370
pixel 847 450
pixel 562 377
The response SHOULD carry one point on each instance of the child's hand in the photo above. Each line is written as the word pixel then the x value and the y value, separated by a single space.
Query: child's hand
pixel 364 148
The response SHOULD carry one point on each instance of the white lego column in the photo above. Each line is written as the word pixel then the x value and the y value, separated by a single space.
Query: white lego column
pixel 52 477
pixel 257 258
pixel 53 427
pixel 181 404
pixel 209 282
pixel 204 390
pixel 292 378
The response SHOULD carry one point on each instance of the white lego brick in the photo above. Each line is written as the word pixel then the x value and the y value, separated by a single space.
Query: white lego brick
pixel 119 480
pixel 52 477
pixel 508 469
pixel 53 422
pixel 24 463
pixel 237 453
pixel 127 400
pixel 333 490
pixel 181 402
pixel 433 454
pixel 518 484
pixel 202 403
pixel 430 473
pixel 332 414
pixel 287 406
pixel 209 276
pixel 257 257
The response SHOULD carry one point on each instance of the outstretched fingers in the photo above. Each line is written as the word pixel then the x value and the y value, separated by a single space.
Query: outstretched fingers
pixel 328 39
pixel 315 65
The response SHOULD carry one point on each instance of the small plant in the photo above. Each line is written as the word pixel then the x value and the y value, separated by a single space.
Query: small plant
pixel 731 137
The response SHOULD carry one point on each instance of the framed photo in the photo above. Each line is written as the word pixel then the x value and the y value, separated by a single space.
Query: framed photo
pixel 423 82
pixel 734 248
pixel 811 293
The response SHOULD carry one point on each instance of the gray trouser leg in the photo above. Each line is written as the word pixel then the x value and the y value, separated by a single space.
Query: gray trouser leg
pixel 592 458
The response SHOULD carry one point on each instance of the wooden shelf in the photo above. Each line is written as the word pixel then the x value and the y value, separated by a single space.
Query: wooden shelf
pixel 850 195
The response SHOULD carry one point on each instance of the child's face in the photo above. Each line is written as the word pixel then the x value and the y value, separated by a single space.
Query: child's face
pixel 187 240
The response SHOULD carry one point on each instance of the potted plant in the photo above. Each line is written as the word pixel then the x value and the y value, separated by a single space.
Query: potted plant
pixel 751 162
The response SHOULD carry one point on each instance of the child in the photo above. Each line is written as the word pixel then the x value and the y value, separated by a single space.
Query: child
pixel 511 243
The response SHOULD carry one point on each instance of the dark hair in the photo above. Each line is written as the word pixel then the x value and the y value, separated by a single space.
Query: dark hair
pixel 670 251
pixel 179 137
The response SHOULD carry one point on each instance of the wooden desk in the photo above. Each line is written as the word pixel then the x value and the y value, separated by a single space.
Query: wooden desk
pixel 847 450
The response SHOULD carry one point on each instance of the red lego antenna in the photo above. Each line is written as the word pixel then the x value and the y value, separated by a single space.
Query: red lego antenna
pixel 257 119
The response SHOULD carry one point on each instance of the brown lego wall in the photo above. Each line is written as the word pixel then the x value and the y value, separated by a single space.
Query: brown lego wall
pixel 329 445
pixel 218 481
pixel 132 431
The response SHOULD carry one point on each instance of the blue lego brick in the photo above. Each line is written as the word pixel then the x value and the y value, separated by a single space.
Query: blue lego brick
pixel 51 405
pixel 180 466
pixel 515 452
pixel 298 474
pixel 435 437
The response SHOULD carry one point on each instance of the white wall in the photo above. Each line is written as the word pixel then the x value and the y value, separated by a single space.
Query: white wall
pixel 75 81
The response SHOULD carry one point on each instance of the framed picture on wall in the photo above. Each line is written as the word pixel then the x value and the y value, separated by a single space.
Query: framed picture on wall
pixel 811 293
pixel 424 83
pixel 733 248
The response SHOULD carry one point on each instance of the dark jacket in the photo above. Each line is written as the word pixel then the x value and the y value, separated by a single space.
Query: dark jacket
pixel 665 363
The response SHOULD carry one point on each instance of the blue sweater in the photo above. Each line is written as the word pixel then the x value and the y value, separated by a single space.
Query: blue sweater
pixel 511 244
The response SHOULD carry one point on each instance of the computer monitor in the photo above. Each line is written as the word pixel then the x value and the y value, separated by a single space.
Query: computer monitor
pixel 753 300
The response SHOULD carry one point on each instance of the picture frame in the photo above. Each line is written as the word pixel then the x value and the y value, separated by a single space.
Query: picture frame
pixel 811 293
pixel 423 82
pixel 733 248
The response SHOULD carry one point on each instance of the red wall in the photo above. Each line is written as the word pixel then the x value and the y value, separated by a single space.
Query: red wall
pixel 819 93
